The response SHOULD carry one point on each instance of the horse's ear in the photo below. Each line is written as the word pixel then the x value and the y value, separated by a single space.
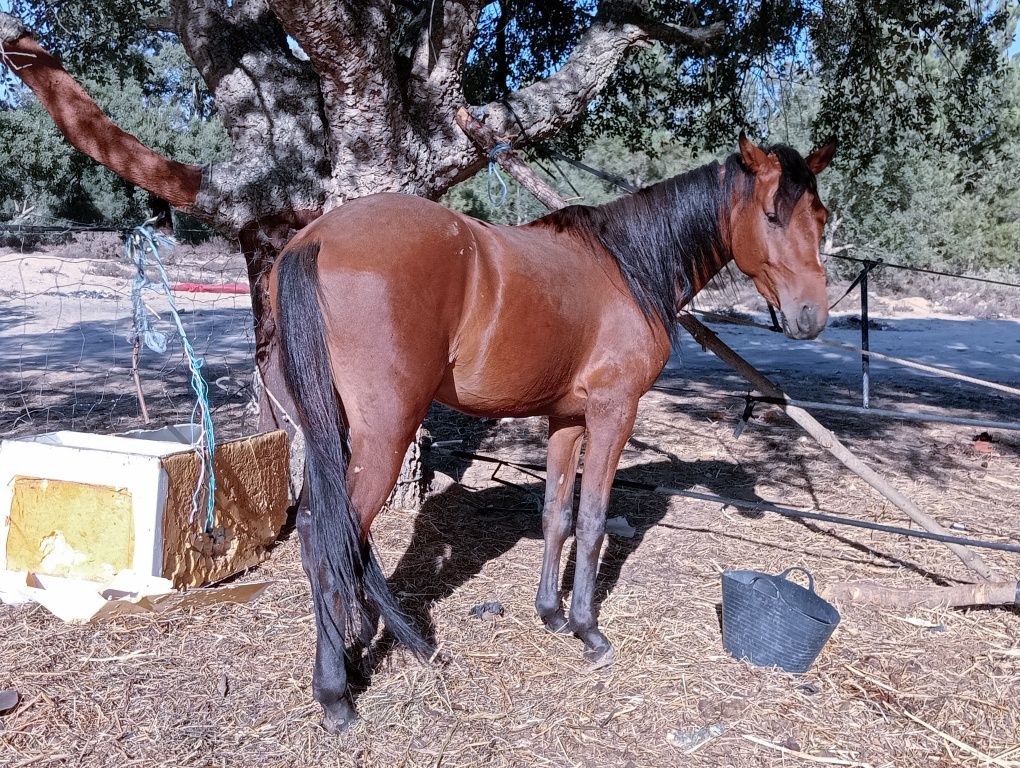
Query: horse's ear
pixel 819 160
pixel 753 155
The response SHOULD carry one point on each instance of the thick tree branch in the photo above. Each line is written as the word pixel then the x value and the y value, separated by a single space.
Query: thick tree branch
pixel 447 32
pixel 349 46
pixel 547 106
pixel 550 104
pixel 160 24
pixel 434 91
pixel 85 126
pixel 692 37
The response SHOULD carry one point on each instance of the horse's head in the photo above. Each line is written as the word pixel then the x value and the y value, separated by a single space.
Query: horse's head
pixel 776 231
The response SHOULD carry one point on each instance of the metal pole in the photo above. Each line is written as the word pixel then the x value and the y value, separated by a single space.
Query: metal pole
pixel 865 359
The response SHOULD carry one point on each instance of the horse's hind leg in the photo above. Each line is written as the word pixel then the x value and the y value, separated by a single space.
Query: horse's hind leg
pixel 329 675
pixel 557 516
pixel 376 456
pixel 609 428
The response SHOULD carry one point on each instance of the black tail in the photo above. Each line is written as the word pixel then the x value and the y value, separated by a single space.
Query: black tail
pixel 351 565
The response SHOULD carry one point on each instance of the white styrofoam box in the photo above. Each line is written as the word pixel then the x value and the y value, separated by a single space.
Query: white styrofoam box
pixel 90 505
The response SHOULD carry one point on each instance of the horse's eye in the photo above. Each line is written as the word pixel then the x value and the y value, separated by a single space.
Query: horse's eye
pixel 773 218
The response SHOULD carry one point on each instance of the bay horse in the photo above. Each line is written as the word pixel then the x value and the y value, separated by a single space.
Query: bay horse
pixel 390 302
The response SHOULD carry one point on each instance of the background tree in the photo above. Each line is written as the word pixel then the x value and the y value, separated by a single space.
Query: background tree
pixel 326 100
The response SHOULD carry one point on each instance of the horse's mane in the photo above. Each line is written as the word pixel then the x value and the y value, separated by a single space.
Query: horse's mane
pixel 661 236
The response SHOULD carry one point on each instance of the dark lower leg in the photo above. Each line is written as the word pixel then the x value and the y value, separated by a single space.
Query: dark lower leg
pixel 605 444
pixel 329 675
pixel 564 450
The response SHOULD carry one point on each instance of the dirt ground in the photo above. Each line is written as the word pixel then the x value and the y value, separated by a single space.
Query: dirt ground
pixel 231 685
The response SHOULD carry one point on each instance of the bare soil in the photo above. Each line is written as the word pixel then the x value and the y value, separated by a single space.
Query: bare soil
pixel 231 685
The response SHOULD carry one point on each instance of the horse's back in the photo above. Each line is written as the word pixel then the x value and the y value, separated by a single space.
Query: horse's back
pixel 392 234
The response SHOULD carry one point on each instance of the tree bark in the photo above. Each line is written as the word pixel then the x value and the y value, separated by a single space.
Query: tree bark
pixel 271 106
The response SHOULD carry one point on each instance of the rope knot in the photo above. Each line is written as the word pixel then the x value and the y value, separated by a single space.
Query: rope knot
pixel 494 173
pixel 499 149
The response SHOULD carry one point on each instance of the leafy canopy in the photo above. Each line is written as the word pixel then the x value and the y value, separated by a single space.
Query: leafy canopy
pixel 870 59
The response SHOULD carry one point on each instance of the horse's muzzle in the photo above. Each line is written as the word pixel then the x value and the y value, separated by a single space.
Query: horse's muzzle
pixel 806 323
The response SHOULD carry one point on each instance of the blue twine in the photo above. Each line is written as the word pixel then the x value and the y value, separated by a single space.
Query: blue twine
pixel 139 242
pixel 494 173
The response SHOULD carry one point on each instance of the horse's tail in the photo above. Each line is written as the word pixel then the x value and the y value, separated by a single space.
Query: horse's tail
pixel 337 546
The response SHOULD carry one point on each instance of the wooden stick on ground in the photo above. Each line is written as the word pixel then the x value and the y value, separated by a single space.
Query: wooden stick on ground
pixel 870 593
pixel 481 135
pixel 827 440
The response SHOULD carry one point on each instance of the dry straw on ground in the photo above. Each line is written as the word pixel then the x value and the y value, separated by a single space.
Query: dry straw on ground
pixel 230 685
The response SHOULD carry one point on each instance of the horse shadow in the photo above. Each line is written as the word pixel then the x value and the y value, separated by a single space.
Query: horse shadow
pixel 457 532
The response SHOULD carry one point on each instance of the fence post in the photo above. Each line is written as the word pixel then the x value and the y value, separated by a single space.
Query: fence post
pixel 865 358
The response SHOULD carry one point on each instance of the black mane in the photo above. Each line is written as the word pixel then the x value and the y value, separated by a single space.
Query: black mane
pixel 663 236
pixel 797 179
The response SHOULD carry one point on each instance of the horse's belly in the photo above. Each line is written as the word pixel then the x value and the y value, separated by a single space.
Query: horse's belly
pixel 511 388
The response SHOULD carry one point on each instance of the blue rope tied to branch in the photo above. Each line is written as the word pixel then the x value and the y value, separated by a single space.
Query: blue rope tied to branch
pixel 494 173
pixel 140 243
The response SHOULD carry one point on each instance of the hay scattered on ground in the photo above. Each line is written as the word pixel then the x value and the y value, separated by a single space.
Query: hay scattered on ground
pixel 231 685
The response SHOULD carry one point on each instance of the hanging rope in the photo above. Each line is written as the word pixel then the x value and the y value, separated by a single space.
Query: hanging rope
pixel 495 174
pixel 141 243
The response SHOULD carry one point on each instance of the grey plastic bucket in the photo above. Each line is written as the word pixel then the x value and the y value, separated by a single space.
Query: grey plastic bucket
pixel 771 621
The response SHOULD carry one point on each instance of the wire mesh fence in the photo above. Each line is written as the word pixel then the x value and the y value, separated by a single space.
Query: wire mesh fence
pixel 66 339
pixel 67 336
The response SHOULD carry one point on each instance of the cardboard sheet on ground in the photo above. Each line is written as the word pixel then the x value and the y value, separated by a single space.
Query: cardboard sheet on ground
pixel 81 601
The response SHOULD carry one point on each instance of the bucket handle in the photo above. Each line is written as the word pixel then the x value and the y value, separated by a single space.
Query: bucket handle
pixel 805 571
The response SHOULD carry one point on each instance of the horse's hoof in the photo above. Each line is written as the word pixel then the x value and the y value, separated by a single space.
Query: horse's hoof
pixel 557 623
pixel 600 657
pixel 339 718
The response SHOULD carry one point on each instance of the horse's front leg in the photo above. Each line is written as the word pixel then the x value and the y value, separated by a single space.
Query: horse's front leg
pixel 557 516
pixel 609 427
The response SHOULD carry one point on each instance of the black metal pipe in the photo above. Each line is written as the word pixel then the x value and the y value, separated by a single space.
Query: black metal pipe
pixel 865 358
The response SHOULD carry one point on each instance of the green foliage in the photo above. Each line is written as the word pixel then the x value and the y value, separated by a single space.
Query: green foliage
pixel 873 61
pixel 99 40
pixel 925 201
pixel 928 70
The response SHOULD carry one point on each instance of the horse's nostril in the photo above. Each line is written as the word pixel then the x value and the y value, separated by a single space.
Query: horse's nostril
pixel 808 316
